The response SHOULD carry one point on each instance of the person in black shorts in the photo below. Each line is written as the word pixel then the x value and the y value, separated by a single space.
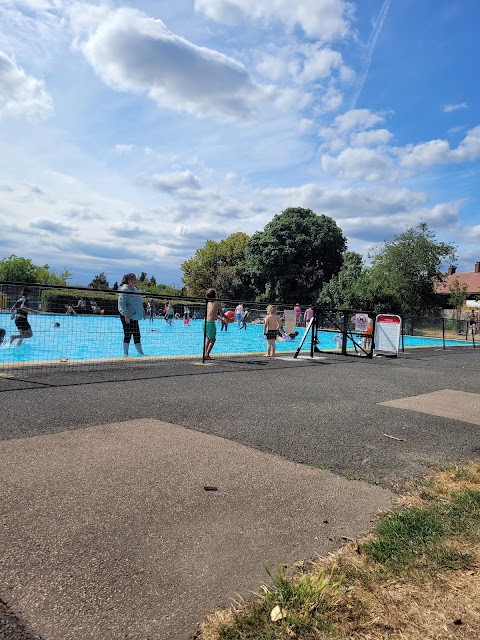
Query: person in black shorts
pixel 472 320
pixel 20 312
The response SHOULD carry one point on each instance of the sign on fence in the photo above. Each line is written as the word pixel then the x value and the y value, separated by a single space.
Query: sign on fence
pixel 290 320
pixel 387 334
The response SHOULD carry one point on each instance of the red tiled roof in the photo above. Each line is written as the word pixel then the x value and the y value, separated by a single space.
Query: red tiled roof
pixel 470 278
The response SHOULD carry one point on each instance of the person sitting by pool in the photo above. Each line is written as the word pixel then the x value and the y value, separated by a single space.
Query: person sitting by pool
pixel 70 311
pixel 94 306
pixel 81 305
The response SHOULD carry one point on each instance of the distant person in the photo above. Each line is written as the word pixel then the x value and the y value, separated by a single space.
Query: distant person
pixel 56 325
pixel 151 310
pixel 308 315
pixel 472 321
pixel 2 335
pixel 20 312
pixel 94 306
pixel 131 311
pixel 214 309
pixel 245 315
pixel 169 313
pixel 223 319
pixel 271 326
pixel 239 314
pixel 298 314
pixel 186 316
pixel 81 305
pixel 368 334
pixel 70 311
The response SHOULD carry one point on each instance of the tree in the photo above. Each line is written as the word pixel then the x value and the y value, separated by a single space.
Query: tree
pixel 404 273
pixel 17 269
pixel 215 264
pixel 100 282
pixel 340 292
pixel 296 253
pixel 458 296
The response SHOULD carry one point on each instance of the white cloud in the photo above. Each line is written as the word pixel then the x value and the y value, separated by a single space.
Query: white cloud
pixel 359 163
pixel 134 53
pixel 373 137
pixel 124 148
pixel 320 64
pixel 181 182
pixel 455 107
pixel 439 151
pixel 330 101
pixel 355 120
pixel 323 19
pixel 22 95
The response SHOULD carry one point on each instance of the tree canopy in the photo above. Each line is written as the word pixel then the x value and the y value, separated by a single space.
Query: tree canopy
pixel 215 265
pixel 295 254
pixel 340 292
pixel 17 269
pixel 404 273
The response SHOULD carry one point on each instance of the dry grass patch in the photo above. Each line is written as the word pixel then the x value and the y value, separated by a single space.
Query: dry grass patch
pixel 415 578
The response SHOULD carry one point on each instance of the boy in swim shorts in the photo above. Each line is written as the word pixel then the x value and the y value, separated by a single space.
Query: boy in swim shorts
pixel 271 325
pixel 214 310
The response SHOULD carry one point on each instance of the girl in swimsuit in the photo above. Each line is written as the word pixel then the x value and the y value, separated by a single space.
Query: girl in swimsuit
pixel 20 312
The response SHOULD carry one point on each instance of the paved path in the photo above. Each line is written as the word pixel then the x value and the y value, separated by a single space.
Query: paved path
pixel 107 529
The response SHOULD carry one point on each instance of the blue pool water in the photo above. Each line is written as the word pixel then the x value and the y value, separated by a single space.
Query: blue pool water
pixel 100 337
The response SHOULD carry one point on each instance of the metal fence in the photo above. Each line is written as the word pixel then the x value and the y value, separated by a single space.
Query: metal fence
pixel 79 326
pixel 73 326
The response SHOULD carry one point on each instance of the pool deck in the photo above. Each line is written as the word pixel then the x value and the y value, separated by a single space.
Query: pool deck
pixel 135 499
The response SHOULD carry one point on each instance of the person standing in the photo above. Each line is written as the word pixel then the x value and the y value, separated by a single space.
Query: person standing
pixel 271 325
pixel 472 321
pixel 245 315
pixel 169 313
pixel 130 306
pixel 239 314
pixel 308 315
pixel 19 313
pixel 151 309
pixel 298 314
pixel 214 312
pixel 223 319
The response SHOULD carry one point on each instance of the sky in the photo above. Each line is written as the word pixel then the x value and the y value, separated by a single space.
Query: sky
pixel 131 132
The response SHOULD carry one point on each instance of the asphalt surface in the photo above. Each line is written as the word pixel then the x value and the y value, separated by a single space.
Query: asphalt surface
pixel 310 422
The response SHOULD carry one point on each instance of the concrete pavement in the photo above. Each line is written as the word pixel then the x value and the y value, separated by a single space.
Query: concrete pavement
pixel 107 528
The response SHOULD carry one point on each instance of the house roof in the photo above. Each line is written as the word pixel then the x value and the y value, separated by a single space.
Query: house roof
pixel 470 278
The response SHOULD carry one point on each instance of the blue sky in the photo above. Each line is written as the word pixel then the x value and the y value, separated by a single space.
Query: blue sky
pixel 132 132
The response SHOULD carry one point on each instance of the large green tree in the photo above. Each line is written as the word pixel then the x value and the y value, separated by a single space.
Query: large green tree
pixel 404 273
pixel 215 265
pixel 340 292
pixel 295 254
pixel 17 269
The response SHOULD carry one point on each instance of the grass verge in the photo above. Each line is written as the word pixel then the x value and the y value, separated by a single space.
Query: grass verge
pixel 415 578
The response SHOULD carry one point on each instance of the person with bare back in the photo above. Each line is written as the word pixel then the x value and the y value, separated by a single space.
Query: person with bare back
pixel 214 311
pixel 271 325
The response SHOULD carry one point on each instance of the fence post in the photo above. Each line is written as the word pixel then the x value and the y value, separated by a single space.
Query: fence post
pixel 204 330
pixel 443 333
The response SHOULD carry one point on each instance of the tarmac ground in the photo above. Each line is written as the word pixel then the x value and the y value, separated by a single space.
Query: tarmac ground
pixel 136 499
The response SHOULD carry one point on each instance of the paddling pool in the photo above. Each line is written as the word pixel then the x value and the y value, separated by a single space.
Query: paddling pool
pixel 92 338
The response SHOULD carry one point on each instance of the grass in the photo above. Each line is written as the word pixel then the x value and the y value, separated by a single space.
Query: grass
pixel 416 577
